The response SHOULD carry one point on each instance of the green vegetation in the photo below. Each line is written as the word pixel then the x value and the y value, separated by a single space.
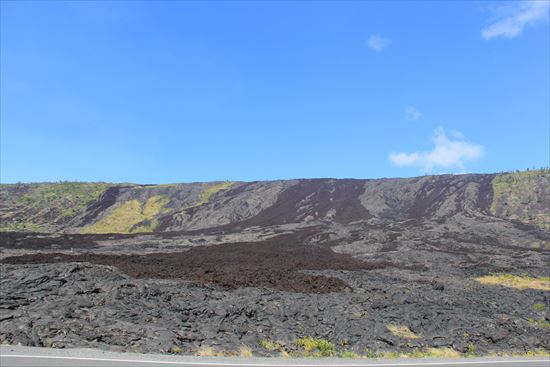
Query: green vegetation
pixel 472 348
pixel 349 354
pixel 539 323
pixel 19 225
pixel 268 345
pixel 245 351
pixel 313 347
pixel 529 353
pixel 175 349
pixel 418 353
pixel 523 196
pixel 130 216
pixel 206 351
pixel 516 281
pixel 211 189
pixel 317 346
pixel 446 352
pixel 538 307
pixel 49 207
pixel 43 206
pixel 442 353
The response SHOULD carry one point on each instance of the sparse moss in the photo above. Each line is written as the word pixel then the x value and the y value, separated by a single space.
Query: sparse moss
pixel 516 281
pixel 522 196
pixel 402 331
pixel 130 216
pixel 539 323
pixel 538 307
pixel 211 189
pixel 44 206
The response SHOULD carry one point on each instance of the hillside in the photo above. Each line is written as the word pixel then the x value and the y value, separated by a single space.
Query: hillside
pixel 455 262
pixel 114 208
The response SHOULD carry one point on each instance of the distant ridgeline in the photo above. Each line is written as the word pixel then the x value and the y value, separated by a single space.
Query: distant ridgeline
pixel 76 207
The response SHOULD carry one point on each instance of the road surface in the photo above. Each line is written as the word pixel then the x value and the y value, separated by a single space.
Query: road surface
pixel 15 356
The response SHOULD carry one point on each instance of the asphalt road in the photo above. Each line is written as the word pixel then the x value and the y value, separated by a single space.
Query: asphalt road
pixel 42 357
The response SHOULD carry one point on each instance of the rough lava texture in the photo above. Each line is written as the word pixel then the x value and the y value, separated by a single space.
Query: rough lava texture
pixel 226 264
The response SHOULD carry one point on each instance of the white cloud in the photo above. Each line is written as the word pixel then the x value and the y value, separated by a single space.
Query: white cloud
pixel 457 134
pixel 412 113
pixel 510 19
pixel 446 154
pixel 377 42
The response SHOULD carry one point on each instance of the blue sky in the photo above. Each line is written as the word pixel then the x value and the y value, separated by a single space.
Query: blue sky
pixel 157 92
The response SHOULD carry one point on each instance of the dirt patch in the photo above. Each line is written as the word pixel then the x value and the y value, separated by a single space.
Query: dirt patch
pixel 275 263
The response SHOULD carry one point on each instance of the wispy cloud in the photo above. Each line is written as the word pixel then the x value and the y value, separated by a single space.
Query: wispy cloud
pixel 412 113
pixel 378 42
pixel 446 154
pixel 510 19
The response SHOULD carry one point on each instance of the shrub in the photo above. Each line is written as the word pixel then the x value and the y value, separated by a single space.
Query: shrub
pixel 175 349
pixel 316 347
pixel 245 351
pixel 268 345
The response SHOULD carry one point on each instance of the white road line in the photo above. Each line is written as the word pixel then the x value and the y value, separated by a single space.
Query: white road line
pixel 281 365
